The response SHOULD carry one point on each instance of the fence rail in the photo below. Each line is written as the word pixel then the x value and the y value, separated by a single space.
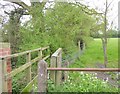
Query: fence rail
pixel 42 73
pixel 25 52
pixel 26 66
pixel 85 69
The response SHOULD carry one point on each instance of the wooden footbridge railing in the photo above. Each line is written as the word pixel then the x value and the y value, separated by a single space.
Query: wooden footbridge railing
pixel 5 76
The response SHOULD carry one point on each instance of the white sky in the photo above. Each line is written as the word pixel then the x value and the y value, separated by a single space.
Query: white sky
pixel 112 15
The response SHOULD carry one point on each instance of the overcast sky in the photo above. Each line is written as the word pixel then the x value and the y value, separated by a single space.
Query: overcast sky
pixel 99 4
pixel 112 14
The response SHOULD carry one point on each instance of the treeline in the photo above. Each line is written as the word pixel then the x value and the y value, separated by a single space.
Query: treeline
pixel 110 34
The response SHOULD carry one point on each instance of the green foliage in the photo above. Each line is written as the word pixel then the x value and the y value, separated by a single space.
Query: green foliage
pixel 18 82
pixel 67 26
pixel 82 82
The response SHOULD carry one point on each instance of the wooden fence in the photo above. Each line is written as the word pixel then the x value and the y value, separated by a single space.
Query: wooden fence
pixel 55 71
pixel 42 73
pixel 27 66
pixel 56 61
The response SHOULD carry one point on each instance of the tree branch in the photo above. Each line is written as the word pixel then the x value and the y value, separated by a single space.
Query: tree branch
pixel 84 7
pixel 22 4
pixel 110 4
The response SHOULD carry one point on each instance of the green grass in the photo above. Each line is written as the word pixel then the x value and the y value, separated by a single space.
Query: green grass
pixel 83 82
pixel 94 54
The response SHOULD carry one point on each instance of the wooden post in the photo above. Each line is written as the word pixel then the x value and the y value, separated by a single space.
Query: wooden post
pixel 4 71
pixel 1 75
pixel 42 76
pixel 83 46
pixel 28 59
pixel 40 54
pixel 66 73
pixel 5 67
pixel 56 60
pixel 59 73
pixel 79 46
pixel 53 65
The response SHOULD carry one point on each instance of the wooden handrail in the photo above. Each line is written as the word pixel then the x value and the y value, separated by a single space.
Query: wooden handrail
pixel 57 52
pixel 26 66
pixel 23 67
pixel 25 52
pixel 85 69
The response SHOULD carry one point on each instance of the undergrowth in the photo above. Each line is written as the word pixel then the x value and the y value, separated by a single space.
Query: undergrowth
pixel 82 82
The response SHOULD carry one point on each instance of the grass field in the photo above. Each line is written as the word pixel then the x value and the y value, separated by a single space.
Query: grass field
pixel 94 54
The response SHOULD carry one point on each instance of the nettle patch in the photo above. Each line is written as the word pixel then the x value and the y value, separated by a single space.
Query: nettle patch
pixel 82 82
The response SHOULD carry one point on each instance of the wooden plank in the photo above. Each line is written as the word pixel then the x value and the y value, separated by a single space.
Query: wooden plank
pixel 29 86
pixel 4 71
pixel 46 57
pixel 40 54
pixel 23 67
pixel 1 74
pixel 22 53
pixel 58 73
pixel 28 71
pixel 85 69
pixel 57 52
pixel 79 46
pixel 56 62
pixel 53 65
pixel 44 48
pixel 66 73
pixel 42 76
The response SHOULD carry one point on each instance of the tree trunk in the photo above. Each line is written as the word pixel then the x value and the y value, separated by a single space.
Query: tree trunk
pixel 105 36
pixel 104 43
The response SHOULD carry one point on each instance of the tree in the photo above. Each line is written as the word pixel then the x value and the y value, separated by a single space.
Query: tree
pixel 103 31
pixel 67 25
pixel 13 25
